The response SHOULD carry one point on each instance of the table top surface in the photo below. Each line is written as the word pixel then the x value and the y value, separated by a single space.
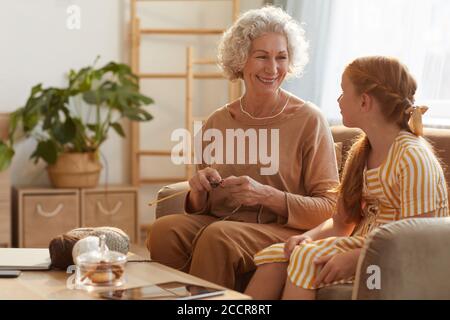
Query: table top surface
pixel 49 285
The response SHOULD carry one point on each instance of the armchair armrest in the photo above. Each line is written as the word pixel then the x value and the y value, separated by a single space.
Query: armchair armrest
pixel 411 257
pixel 172 205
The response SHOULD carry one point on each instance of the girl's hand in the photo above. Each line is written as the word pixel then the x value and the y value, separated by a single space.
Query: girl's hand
pixel 245 190
pixel 294 241
pixel 200 182
pixel 337 267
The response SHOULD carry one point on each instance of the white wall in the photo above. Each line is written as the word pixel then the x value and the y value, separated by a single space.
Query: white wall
pixel 38 47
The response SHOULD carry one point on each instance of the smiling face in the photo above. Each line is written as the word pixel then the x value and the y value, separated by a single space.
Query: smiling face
pixel 267 64
pixel 349 103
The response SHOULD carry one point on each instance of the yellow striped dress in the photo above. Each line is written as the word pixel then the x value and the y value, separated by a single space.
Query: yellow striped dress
pixel 410 182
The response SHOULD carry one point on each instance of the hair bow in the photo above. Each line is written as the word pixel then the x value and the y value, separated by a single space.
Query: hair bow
pixel 415 119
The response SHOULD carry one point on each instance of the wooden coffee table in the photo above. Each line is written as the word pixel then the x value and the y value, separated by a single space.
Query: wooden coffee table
pixel 52 284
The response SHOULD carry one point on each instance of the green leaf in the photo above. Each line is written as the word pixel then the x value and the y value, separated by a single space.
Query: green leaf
pixel 81 79
pixel 6 155
pixel 81 141
pixel 30 121
pixel 146 116
pixel 142 115
pixel 37 88
pixel 93 127
pixel 132 114
pixel 46 150
pixel 91 97
pixel 64 133
pixel 118 128
pixel 14 119
pixel 144 99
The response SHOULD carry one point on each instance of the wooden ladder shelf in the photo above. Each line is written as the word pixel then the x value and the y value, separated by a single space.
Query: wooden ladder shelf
pixel 189 75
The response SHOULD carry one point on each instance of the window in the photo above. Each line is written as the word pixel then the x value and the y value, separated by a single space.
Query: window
pixel 415 31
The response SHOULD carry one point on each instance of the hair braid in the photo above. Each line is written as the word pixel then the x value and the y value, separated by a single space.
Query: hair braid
pixel 350 190
pixel 388 92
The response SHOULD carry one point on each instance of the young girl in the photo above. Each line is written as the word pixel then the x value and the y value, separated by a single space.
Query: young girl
pixel 391 174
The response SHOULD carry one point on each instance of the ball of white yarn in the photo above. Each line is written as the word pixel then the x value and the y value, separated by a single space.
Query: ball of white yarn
pixel 84 245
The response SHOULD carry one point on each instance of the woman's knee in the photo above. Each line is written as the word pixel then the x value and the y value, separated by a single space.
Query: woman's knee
pixel 162 232
pixel 214 235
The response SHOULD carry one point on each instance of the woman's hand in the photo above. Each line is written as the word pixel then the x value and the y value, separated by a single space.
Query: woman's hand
pixel 201 181
pixel 245 190
pixel 337 267
pixel 200 184
pixel 294 241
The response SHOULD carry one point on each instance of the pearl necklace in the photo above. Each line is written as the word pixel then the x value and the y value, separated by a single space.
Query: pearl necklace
pixel 264 118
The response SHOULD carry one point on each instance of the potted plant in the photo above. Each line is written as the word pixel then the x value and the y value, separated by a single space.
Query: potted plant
pixel 69 133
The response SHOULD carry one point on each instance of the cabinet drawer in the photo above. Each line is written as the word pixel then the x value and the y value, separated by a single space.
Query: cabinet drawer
pixel 5 224
pixel 46 216
pixel 4 186
pixel 114 209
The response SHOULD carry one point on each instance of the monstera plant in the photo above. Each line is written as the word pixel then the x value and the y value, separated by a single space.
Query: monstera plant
pixel 71 123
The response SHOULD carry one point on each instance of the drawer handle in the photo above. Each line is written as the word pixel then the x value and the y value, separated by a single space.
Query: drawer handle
pixel 108 212
pixel 55 212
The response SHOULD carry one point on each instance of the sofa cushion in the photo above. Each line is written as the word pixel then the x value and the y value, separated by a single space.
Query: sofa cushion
pixel 175 204
pixel 346 137
pixel 440 140
pixel 337 292
pixel 413 260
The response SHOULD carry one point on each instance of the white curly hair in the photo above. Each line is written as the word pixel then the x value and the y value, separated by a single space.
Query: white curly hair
pixel 235 44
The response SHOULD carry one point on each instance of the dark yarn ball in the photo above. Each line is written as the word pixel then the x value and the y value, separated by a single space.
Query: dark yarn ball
pixel 61 251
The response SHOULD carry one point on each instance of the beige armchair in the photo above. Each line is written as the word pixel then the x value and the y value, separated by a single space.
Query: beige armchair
pixel 408 259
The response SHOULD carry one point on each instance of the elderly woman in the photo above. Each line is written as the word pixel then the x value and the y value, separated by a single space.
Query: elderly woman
pixel 239 206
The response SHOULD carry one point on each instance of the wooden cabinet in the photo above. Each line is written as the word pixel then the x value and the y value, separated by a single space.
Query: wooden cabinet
pixel 115 207
pixel 45 213
pixel 5 210
pixel 5 191
pixel 41 214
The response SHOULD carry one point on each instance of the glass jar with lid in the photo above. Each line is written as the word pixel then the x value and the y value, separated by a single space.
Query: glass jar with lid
pixel 100 268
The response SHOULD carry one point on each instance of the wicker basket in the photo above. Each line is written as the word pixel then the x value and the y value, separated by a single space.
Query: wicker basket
pixel 75 170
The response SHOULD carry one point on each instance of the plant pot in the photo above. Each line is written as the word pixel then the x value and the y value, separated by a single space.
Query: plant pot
pixel 75 170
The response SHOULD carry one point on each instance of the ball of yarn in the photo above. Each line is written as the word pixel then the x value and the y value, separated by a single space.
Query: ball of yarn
pixel 61 247
pixel 115 239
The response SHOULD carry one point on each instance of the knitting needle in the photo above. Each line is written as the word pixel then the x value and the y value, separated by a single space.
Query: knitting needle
pixel 168 197
pixel 213 185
